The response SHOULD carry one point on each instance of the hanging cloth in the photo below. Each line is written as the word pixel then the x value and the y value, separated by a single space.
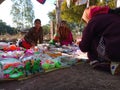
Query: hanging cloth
pixel 41 1
pixel 68 3
pixel 81 2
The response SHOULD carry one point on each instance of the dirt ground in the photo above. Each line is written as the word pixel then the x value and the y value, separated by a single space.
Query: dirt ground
pixel 78 77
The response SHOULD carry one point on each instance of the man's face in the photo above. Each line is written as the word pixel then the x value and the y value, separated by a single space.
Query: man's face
pixel 37 24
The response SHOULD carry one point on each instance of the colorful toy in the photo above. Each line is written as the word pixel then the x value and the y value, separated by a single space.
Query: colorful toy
pixel 16 74
pixel 12 47
pixel 28 67
pixel 32 67
pixel 52 42
pixel 8 70
pixel 36 49
pixel 45 66
pixel 13 73
pixel 57 64
pixel 10 62
pixel 36 66
pixel 56 37
pixel 52 65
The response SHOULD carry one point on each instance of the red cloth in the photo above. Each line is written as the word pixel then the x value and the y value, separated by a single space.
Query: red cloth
pixel 26 44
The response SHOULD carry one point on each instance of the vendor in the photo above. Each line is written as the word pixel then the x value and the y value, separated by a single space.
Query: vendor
pixel 64 35
pixel 33 37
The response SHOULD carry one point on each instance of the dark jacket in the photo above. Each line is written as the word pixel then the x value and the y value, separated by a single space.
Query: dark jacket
pixel 33 37
pixel 108 26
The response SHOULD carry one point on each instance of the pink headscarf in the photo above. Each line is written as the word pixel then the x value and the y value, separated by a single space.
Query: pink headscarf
pixel 94 10
pixel 98 10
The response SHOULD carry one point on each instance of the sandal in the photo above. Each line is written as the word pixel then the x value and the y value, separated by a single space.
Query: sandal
pixel 94 63
pixel 104 66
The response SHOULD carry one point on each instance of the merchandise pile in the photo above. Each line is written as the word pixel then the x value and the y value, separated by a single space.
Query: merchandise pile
pixel 17 63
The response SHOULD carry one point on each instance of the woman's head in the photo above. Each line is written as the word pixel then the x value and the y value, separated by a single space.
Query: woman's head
pixel 63 23
pixel 37 23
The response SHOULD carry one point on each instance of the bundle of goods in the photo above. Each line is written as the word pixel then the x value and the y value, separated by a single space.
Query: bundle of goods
pixel 10 68
pixel 11 54
pixel 3 45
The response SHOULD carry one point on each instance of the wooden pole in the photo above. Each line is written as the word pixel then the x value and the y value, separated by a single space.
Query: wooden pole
pixel 58 12
pixel 51 30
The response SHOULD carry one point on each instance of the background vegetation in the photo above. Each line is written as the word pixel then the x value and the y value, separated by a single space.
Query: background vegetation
pixel 23 15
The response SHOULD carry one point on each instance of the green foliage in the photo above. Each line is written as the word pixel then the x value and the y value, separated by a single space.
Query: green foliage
pixel 6 29
pixel 110 3
pixel 23 14
pixel 52 15
pixel 72 14
pixel 46 29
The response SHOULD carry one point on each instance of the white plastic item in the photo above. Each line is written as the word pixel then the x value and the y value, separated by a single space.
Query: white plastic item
pixel 114 67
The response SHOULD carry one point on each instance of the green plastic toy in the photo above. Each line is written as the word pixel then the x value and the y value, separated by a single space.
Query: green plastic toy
pixel 45 66
pixel 52 42
pixel 36 66
pixel 8 71
pixel 28 68
pixel 52 66
pixel 16 74
pixel 57 64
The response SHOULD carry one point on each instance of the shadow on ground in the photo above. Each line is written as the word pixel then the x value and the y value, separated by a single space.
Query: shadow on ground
pixel 79 77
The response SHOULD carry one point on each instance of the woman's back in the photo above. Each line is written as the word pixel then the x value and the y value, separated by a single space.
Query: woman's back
pixel 108 26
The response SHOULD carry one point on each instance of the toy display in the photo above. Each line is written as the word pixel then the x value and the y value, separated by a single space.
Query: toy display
pixel 20 63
